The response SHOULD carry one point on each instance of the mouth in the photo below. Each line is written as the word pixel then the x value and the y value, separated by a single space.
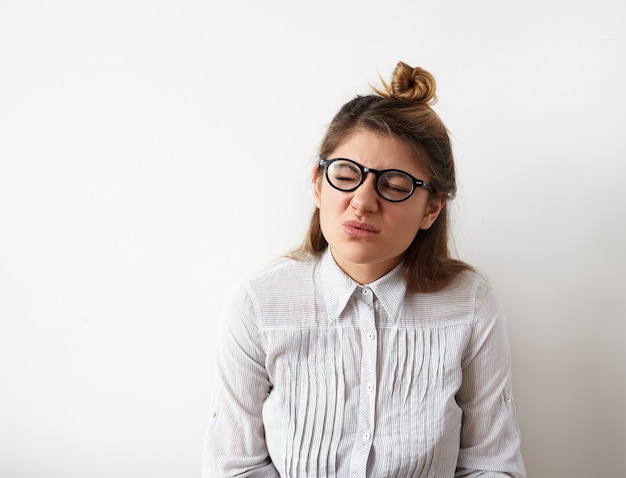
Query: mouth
pixel 360 230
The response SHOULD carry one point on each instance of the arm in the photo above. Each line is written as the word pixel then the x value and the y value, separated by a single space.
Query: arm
pixel 235 438
pixel 490 440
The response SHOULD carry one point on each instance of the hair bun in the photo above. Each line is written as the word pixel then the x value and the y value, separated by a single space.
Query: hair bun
pixel 410 83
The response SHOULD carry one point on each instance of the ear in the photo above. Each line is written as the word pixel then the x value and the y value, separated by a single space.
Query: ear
pixel 433 209
pixel 317 186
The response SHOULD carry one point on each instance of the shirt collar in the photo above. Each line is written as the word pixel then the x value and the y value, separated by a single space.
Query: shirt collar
pixel 338 287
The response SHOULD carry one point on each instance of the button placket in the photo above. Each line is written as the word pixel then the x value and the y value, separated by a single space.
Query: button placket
pixel 367 401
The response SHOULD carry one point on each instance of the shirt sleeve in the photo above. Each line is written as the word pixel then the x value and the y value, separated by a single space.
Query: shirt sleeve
pixel 234 443
pixel 490 438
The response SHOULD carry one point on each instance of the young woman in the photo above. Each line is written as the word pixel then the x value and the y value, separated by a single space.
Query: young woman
pixel 370 352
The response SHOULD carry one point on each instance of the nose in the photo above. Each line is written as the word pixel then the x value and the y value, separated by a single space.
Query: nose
pixel 365 198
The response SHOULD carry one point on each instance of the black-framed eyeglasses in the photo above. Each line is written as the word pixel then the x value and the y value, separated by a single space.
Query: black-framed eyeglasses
pixel 391 184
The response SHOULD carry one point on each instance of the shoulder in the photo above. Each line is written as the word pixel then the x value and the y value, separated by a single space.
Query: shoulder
pixel 469 286
pixel 284 285
pixel 282 275
pixel 458 302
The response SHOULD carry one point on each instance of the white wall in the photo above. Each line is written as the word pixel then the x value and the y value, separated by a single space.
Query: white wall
pixel 152 153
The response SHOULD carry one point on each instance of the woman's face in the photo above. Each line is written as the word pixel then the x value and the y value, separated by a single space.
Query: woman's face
pixel 367 234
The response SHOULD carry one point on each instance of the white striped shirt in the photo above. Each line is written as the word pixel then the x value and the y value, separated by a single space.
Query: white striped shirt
pixel 321 377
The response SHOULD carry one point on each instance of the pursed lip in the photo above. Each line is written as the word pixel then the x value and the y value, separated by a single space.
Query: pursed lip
pixel 359 229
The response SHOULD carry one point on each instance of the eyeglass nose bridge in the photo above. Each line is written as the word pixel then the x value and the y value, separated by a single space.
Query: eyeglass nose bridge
pixel 364 173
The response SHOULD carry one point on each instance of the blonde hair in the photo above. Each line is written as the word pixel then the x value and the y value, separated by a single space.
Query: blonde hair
pixel 402 109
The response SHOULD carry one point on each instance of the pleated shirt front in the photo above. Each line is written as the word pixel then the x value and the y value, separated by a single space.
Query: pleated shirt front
pixel 319 376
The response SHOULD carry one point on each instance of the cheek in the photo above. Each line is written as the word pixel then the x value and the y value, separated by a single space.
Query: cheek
pixel 399 213
pixel 406 222
pixel 330 200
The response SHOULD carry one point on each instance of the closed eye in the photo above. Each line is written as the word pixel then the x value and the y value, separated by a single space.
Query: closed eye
pixel 398 184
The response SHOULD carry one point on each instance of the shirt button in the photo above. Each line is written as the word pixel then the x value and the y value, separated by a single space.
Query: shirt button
pixel 371 335
pixel 365 291
pixel 507 399
pixel 366 436
pixel 369 387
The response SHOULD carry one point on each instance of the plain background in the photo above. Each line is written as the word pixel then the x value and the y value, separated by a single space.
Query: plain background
pixel 152 153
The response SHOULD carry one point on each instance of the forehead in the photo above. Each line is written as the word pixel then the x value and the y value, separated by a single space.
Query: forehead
pixel 377 151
